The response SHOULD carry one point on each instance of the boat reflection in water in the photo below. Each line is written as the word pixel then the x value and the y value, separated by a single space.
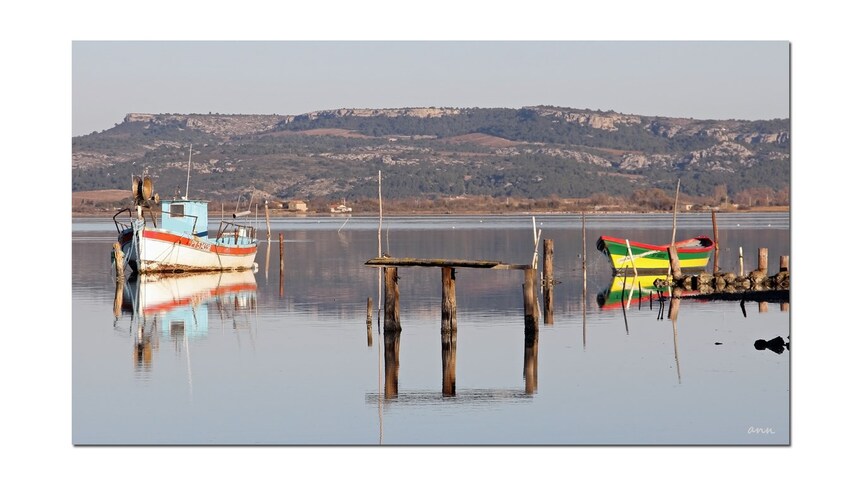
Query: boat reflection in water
pixel 634 290
pixel 176 307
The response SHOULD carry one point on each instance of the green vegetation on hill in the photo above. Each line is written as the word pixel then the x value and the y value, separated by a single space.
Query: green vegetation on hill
pixel 537 153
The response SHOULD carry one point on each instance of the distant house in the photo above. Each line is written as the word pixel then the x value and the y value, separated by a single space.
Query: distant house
pixel 297 205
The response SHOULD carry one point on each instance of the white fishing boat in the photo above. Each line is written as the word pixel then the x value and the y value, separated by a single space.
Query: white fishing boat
pixel 181 242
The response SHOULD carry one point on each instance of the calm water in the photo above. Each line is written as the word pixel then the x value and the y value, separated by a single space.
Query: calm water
pixel 249 359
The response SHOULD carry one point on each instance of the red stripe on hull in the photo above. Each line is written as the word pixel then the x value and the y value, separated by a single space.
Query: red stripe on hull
pixel 199 245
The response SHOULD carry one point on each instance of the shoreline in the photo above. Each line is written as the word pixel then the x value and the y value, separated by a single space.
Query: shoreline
pixel 292 214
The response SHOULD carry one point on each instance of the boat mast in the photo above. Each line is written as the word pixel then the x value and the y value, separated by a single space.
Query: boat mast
pixel 188 178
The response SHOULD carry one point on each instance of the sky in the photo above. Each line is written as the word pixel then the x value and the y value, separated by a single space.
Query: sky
pixel 695 79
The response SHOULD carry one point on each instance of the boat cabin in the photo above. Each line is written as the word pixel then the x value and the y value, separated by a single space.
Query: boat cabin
pixel 186 216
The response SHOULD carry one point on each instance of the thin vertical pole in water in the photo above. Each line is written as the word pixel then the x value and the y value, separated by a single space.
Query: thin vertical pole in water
pixel 630 255
pixel 741 260
pixel 584 279
pixel 716 242
pixel 675 211
pixel 623 305
pixel 268 254
pixel 675 339
pixel 369 321
pixel 281 239
pixel 674 221
pixel 379 245
pixel 188 178
pixel 268 226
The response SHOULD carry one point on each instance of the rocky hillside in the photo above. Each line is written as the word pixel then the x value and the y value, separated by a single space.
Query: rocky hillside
pixel 534 152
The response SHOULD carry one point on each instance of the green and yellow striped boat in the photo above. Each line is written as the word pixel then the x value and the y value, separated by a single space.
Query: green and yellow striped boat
pixel 693 254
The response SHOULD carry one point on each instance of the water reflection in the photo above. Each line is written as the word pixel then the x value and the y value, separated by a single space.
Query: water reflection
pixel 449 391
pixel 626 291
pixel 176 307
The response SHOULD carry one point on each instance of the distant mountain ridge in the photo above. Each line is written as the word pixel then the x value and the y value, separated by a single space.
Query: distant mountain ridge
pixel 537 151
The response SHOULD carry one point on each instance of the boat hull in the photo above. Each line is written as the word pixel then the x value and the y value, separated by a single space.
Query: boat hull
pixel 653 258
pixel 162 251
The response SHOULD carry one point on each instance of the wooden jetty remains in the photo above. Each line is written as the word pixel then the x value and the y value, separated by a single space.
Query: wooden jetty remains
pixel 755 286
pixel 449 298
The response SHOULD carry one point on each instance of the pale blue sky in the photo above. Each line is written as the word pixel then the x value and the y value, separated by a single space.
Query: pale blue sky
pixel 704 80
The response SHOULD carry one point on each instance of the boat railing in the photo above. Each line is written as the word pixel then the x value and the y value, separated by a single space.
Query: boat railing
pixel 121 226
pixel 237 233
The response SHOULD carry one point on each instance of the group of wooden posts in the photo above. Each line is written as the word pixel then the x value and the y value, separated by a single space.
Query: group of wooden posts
pixel 531 311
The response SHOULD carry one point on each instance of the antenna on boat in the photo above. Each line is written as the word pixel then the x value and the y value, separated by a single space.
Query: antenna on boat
pixel 188 178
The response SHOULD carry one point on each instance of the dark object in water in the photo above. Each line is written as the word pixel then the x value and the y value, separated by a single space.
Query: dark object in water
pixel 777 345
pixel 718 343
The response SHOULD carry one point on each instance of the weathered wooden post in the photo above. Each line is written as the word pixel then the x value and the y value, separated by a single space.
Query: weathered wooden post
pixel 369 321
pixel 716 242
pixel 530 300
pixel 118 260
pixel 449 363
pixel 117 299
pixel 762 307
pixel 548 282
pixel 783 263
pixel 741 261
pixel 674 262
pixel 530 362
pixel 392 363
pixel 762 259
pixel 449 300
pixel 674 305
pixel 392 300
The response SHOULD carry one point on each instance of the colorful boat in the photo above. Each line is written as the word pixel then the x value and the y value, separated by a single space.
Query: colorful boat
pixel 181 241
pixel 693 254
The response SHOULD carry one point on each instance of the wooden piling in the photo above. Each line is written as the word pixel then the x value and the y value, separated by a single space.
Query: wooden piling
pixel 392 363
pixel 762 307
pixel 674 262
pixel 449 300
pixel 530 362
pixel 741 261
pixel 548 282
pixel 530 309
pixel 716 242
pixel 762 259
pixel 783 263
pixel 392 301
pixel 118 260
pixel 117 299
pixel 674 307
pixel 449 364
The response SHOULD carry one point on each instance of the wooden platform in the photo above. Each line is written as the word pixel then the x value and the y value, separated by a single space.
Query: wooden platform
pixel 443 263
